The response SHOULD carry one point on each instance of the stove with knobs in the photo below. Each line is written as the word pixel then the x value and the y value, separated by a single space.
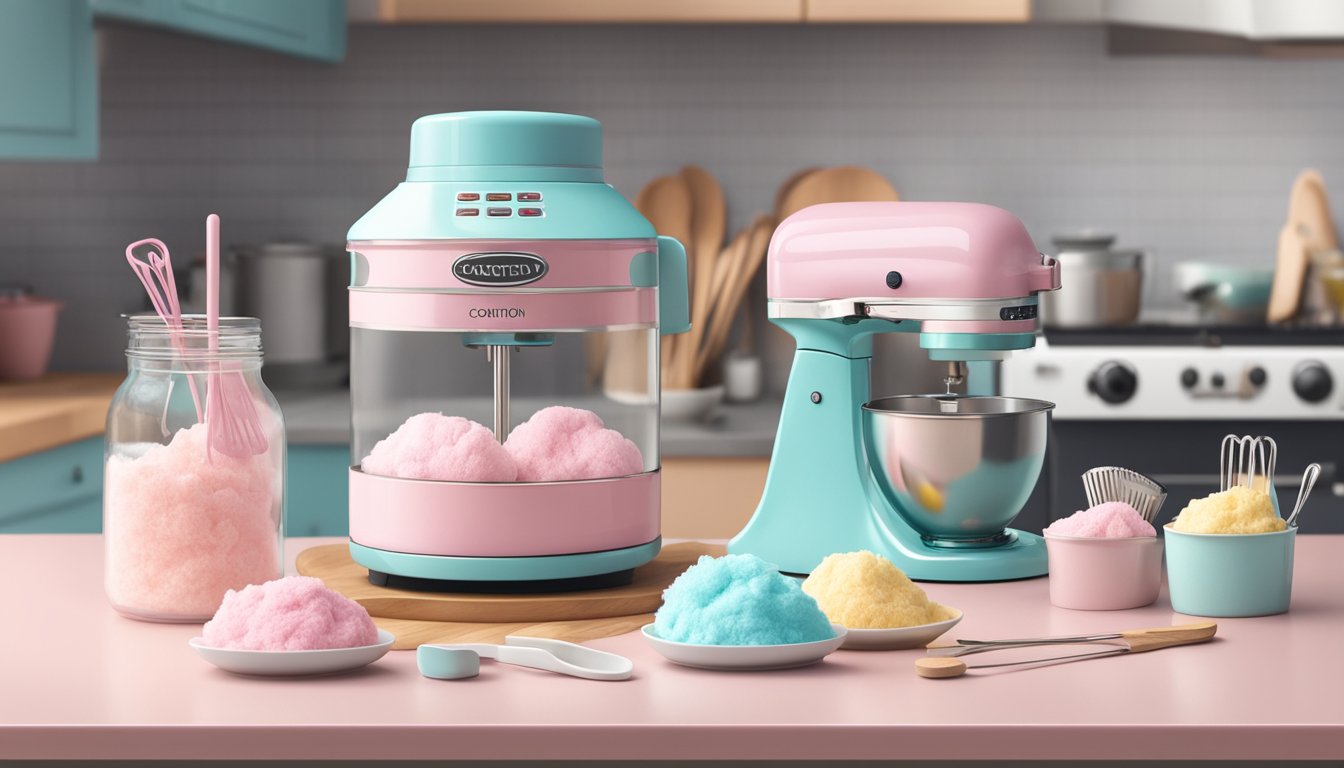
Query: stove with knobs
pixel 1159 400
pixel 1150 382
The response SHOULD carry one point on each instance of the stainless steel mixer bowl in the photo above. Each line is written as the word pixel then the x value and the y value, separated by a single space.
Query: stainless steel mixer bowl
pixel 957 469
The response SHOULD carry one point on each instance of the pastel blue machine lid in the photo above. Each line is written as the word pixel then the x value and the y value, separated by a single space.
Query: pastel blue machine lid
pixel 555 156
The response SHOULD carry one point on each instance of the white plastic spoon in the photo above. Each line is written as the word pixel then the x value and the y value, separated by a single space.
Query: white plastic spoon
pixel 457 661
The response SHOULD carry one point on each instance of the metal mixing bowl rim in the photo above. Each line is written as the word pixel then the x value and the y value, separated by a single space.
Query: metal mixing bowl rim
pixel 1036 406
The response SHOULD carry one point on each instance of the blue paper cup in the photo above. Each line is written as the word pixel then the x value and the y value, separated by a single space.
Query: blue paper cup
pixel 1230 575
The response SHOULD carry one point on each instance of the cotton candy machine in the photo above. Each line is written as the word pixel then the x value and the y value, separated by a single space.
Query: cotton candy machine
pixel 505 313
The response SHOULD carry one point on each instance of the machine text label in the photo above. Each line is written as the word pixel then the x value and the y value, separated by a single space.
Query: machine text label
pixel 499 270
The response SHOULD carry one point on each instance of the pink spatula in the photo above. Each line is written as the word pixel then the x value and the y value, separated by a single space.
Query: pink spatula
pixel 232 425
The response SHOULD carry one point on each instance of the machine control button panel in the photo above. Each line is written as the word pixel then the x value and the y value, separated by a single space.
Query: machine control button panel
pixel 1025 312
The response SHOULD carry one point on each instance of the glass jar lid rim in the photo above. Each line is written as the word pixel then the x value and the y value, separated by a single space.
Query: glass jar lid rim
pixel 193 325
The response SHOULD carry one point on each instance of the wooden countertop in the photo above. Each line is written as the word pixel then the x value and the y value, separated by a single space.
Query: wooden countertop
pixel 78 682
pixel 56 409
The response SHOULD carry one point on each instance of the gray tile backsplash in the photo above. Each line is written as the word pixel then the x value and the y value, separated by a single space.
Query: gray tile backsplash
pixel 1191 156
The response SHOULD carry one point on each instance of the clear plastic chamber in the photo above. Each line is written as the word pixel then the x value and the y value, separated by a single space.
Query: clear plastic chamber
pixel 612 372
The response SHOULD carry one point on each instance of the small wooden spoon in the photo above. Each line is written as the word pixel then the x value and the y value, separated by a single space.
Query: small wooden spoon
pixel 735 284
pixel 709 215
pixel 787 187
pixel 1135 641
pixel 845 184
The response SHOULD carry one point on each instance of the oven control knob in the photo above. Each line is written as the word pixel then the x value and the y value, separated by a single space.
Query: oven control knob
pixel 1114 382
pixel 1257 377
pixel 1189 378
pixel 1312 382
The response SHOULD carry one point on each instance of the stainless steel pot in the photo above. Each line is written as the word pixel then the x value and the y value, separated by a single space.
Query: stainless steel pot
pixel 297 289
pixel 1098 286
pixel 957 469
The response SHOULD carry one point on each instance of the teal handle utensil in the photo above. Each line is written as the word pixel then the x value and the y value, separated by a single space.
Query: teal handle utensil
pixel 458 661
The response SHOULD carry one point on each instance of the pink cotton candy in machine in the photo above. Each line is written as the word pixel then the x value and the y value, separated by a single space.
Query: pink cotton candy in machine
pixel 506 307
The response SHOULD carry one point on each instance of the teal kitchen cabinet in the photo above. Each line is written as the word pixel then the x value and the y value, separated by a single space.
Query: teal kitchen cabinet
pixel 317 490
pixel 313 29
pixel 54 491
pixel 48 80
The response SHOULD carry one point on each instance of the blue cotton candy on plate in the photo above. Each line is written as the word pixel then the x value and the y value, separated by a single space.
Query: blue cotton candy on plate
pixel 738 600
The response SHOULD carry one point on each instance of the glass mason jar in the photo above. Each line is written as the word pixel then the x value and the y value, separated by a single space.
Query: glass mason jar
pixel 192 507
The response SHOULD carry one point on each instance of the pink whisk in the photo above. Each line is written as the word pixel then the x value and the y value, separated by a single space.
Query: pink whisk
pixel 156 274
pixel 232 425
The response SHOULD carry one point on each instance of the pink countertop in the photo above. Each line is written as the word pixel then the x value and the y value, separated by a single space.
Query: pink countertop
pixel 79 682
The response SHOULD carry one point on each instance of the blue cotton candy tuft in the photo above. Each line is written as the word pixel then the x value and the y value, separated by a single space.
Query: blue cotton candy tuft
pixel 738 600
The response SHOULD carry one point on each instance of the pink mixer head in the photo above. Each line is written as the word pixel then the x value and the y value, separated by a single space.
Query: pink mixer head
pixel 902 251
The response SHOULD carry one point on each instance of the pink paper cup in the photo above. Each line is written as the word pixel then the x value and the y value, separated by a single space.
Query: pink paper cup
pixel 1096 574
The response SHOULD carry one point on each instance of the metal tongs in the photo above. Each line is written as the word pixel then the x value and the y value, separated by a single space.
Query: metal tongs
pixel 456 661
pixel 944 661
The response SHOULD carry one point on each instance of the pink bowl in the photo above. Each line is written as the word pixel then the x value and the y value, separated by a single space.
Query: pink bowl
pixel 27 333
pixel 1094 574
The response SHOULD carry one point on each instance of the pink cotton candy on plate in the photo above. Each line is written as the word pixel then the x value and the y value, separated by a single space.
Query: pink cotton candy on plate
pixel 431 446
pixel 560 443
pixel 1108 520
pixel 297 613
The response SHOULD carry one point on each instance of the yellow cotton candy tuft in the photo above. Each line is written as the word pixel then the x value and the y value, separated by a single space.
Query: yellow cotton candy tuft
pixel 1237 510
pixel 860 590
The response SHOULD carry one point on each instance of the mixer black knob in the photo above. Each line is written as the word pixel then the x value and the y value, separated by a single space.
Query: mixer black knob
pixel 1114 382
pixel 1189 378
pixel 1217 380
pixel 1312 381
pixel 1257 376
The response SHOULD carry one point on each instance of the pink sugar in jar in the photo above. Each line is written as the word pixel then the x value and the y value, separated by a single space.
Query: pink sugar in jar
pixel 189 509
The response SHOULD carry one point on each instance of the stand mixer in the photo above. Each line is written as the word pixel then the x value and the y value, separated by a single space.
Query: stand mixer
pixel 927 481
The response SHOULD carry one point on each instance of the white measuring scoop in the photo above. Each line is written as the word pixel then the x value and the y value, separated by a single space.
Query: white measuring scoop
pixel 457 661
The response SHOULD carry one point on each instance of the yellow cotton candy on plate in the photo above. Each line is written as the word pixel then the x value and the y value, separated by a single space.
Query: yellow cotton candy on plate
pixel 1237 510
pixel 861 590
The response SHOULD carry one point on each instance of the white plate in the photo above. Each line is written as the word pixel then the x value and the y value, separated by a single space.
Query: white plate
pixel 278 663
pixel 745 657
pixel 899 638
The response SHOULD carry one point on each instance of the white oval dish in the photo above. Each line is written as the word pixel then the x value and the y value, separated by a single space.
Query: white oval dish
pixel 899 638
pixel 745 657
pixel 294 663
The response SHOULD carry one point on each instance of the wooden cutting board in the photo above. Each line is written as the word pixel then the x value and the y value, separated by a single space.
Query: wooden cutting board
pixel 411 633
pixel 332 564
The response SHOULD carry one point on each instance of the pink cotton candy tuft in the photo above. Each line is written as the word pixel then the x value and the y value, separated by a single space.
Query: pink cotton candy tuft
pixel 560 443
pixel 1108 520
pixel 297 613
pixel 181 530
pixel 431 446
